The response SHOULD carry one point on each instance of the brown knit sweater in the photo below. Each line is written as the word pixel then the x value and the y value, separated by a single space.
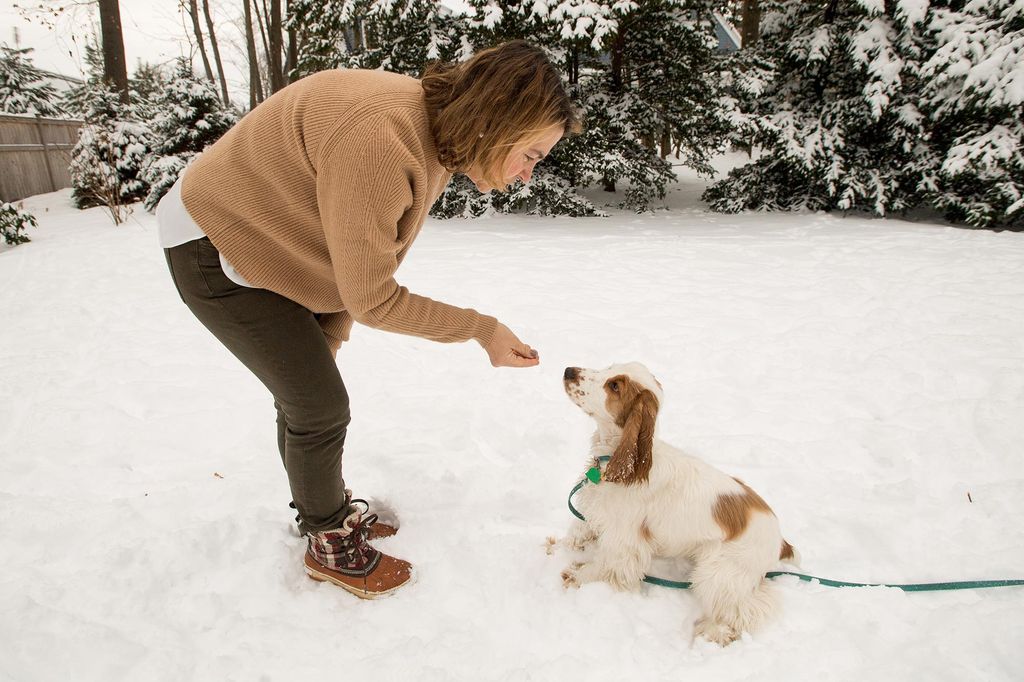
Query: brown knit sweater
pixel 318 193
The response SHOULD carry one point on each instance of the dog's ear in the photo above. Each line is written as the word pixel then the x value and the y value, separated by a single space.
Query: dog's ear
pixel 631 461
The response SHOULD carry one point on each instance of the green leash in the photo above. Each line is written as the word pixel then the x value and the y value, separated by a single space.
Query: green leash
pixel 594 476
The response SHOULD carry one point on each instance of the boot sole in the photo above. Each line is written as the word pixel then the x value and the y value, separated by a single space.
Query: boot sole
pixel 323 576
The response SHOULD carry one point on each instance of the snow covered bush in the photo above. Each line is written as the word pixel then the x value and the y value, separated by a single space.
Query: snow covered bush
pixel 613 151
pixel 106 163
pixel 547 194
pixel 77 100
pixel 147 85
pixel 973 94
pixel 400 36
pixel 190 117
pixel 23 89
pixel 836 117
pixel 13 222
pixel 884 107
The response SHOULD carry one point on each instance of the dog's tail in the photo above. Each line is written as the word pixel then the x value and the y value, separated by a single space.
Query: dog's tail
pixel 789 554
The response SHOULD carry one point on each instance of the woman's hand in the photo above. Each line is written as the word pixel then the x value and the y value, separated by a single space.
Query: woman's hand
pixel 506 350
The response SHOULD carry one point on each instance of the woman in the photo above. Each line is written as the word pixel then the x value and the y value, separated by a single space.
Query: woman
pixel 292 225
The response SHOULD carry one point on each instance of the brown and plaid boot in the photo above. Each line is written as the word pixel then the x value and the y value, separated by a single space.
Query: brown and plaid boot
pixel 344 557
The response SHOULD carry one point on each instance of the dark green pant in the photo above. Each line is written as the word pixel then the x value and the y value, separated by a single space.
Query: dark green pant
pixel 281 343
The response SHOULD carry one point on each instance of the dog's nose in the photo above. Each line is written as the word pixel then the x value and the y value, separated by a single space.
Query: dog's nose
pixel 571 373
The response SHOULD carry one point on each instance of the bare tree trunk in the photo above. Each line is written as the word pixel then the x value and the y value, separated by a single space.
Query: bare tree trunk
pixel 276 47
pixel 751 27
pixel 193 12
pixel 831 10
pixel 360 34
pixel 115 72
pixel 255 83
pixel 572 63
pixel 216 54
pixel 262 24
pixel 618 48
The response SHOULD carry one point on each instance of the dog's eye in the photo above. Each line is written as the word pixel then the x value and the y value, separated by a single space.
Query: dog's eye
pixel 613 386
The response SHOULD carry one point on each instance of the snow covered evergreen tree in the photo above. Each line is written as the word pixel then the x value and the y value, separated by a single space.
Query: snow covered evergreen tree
pixel 13 223
pixel 324 26
pixel 838 122
pixel 147 85
pixel 404 35
pixel 643 75
pixel 76 100
pixel 395 35
pixel 106 163
pixel 191 117
pixel 23 89
pixel 552 189
pixel 885 106
pixel 973 95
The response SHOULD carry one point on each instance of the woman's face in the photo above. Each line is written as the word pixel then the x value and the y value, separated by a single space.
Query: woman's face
pixel 520 161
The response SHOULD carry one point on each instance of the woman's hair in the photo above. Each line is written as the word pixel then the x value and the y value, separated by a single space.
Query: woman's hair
pixel 501 97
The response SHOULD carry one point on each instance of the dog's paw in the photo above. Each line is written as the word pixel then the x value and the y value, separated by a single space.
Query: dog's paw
pixel 719 633
pixel 570 576
pixel 549 544
pixel 578 543
pixel 580 537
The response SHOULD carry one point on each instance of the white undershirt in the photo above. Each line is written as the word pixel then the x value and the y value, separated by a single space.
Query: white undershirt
pixel 175 227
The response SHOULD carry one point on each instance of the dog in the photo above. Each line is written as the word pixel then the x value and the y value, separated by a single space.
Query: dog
pixel 654 500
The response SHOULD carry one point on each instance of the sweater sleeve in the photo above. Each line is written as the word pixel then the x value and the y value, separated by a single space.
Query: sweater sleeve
pixel 365 184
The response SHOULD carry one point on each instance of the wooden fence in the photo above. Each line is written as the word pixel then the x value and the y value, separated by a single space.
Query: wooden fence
pixel 34 154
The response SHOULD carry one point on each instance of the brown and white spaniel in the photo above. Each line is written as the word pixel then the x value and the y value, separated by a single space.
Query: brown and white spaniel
pixel 654 500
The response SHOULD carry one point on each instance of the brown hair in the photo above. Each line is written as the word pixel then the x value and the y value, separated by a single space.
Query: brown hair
pixel 635 409
pixel 502 96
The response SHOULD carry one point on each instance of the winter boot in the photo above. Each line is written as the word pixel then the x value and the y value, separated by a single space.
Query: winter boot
pixel 344 557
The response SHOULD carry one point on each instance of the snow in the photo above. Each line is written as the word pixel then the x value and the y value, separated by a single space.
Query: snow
pixel 872 46
pixel 820 46
pixel 865 376
pixel 873 7
pixel 985 151
pixel 912 11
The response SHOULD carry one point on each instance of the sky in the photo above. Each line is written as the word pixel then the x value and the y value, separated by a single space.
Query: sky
pixel 154 31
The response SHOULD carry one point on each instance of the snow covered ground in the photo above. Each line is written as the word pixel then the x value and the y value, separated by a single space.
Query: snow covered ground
pixel 865 376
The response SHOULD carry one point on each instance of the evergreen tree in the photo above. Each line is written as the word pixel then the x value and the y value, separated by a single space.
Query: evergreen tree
pixel 839 120
pixel 552 189
pixel 404 36
pixel 13 222
pixel 106 163
pixel 191 117
pixel 745 76
pixel 973 95
pixel 883 107
pixel 23 89
pixel 147 86
pixel 324 27
pixel 395 35
pixel 644 77
pixel 76 100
